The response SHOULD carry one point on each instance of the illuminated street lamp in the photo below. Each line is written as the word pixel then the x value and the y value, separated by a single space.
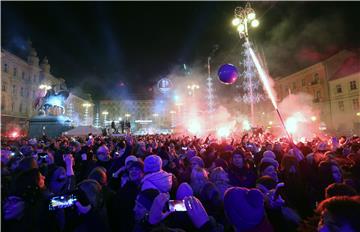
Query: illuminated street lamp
pixel 243 17
pixel 313 118
pixel 105 113
pixel 127 116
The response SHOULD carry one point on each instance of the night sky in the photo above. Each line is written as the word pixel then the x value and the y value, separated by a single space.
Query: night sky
pixel 112 49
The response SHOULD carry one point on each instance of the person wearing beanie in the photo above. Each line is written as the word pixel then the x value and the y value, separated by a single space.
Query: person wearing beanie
pixel 184 190
pixel 152 163
pixel 244 209
pixel 269 154
pixel 269 169
pixel 241 173
pixel 196 161
pixel 126 196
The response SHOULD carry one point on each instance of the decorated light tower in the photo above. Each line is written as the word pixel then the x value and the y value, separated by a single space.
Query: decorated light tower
pixel 209 84
pixel 252 93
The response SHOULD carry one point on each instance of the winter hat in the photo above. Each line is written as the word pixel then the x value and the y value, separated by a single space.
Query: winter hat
pixel 202 151
pixel 269 154
pixel 198 161
pixel 244 207
pixel 130 158
pixel 92 191
pixel 184 190
pixel 190 153
pixel 271 161
pixel 146 197
pixel 152 163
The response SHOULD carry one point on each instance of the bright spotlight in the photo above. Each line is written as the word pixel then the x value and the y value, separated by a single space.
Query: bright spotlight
pixel 255 23
pixel 236 21
pixel 241 28
pixel 313 118
pixel 251 16
pixel 291 124
pixel 194 127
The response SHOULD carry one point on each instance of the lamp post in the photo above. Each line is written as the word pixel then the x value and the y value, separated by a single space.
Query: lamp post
pixel 243 17
pixel 86 114
pixel 105 113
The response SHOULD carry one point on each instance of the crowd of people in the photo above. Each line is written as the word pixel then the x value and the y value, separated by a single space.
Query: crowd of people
pixel 250 182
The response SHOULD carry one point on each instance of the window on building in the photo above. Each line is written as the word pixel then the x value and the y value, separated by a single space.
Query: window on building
pixel 26 109
pixel 20 108
pixel 318 94
pixel 3 87
pixel 33 94
pixel 338 89
pixel 356 104
pixel 3 104
pixel 303 82
pixel 293 85
pixel 34 79
pixel 341 105
pixel 15 72
pixel 353 85
pixel 22 91
pixel 23 75
pixel 14 90
pixel 6 67
pixel 12 106
pixel 315 79
pixel 27 93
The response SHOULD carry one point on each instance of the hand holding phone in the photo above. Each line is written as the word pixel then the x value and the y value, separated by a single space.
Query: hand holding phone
pixel 177 205
pixel 61 202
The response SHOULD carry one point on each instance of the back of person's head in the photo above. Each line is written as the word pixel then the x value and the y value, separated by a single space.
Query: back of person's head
pixel 341 212
pixel 210 196
pixel 218 175
pixel 244 207
pixel 91 190
pixel 152 163
pixel 197 161
pixel 184 190
pixel 99 174
pixel 326 172
pixel 198 174
pixel 339 189
pixel 289 164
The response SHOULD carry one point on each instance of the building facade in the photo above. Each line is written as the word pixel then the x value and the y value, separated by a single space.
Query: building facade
pixel 140 113
pixel 315 81
pixel 80 110
pixel 345 107
pixel 22 83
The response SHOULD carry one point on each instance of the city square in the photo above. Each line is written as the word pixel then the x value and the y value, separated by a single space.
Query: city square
pixel 180 116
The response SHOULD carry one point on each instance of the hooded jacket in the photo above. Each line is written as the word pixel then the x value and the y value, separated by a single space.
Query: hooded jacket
pixel 160 180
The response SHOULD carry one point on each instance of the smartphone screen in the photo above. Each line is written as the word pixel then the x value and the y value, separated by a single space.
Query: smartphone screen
pixel 61 202
pixel 42 155
pixel 176 205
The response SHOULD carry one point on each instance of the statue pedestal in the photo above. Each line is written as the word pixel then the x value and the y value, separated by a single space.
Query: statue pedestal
pixel 51 126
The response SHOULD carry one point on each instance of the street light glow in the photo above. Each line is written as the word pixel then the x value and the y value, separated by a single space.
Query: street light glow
pixel 127 115
pixel 86 105
pixel 255 23
pixel 105 113
pixel 251 16
pixel 241 28
pixel 235 21
pixel 313 118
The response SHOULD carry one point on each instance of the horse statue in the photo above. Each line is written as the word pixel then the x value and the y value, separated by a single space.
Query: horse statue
pixel 53 103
